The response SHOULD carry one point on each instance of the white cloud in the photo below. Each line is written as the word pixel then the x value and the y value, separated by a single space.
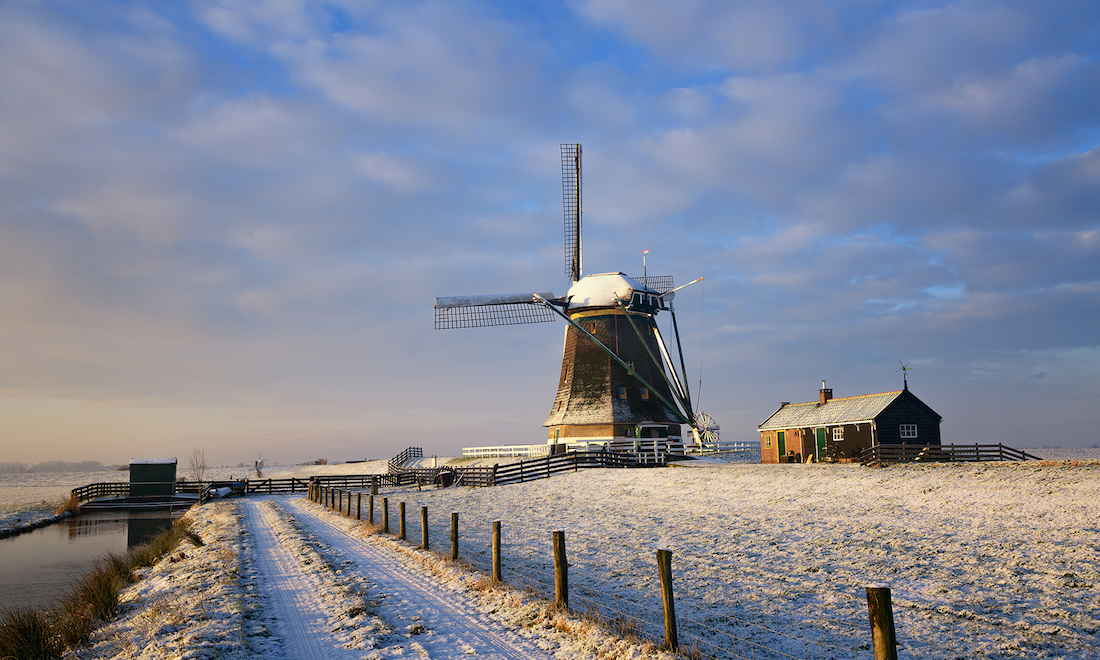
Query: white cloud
pixel 734 35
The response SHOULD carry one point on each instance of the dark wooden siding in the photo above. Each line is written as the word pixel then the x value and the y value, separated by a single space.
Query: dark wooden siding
pixel 908 409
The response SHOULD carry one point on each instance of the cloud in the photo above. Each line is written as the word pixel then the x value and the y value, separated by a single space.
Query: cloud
pixel 745 36
pixel 238 213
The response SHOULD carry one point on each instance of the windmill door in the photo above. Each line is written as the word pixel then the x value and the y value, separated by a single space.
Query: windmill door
pixel 820 442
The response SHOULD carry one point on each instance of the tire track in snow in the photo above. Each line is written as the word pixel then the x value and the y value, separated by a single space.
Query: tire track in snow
pixel 299 615
pixel 455 629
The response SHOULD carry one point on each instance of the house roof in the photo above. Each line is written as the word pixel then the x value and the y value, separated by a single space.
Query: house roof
pixel 847 410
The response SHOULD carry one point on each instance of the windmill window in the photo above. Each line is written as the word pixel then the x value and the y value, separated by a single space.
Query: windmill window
pixel 908 430
pixel 645 394
pixel 638 299
pixel 622 392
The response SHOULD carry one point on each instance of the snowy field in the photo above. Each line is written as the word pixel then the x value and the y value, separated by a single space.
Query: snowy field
pixel 984 560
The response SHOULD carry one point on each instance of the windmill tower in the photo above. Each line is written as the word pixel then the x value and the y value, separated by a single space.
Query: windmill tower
pixel 618 380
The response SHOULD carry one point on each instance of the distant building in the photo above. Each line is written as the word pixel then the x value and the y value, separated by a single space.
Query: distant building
pixel 839 429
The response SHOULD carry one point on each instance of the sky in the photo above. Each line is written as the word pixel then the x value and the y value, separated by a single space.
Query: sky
pixel 223 223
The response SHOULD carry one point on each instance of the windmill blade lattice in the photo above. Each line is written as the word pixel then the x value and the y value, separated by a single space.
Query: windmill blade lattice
pixel 490 310
pixel 706 426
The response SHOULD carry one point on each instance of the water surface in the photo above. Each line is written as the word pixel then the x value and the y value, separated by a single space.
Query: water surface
pixel 39 566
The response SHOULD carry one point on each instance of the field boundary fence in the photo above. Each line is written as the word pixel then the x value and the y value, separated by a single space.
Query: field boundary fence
pixel 711 618
pixel 950 453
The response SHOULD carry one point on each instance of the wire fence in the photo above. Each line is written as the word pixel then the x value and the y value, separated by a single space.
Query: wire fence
pixel 716 617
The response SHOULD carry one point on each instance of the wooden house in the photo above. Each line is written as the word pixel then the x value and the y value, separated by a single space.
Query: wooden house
pixel 839 429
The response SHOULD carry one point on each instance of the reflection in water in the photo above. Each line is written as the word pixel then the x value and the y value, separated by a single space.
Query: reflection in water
pixel 39 566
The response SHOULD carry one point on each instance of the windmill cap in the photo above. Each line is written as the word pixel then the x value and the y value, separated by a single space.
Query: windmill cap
pixel 605 289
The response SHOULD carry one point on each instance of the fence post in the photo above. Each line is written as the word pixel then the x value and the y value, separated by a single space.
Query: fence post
pixel 401 525
pixel 386 515
pixel 454 537
pixel 561 571
pixel 496 551
pixel 664 568
pixel 424 527
pixel 370 505
pixel 358 506
pixel 374 484
pixel 881 611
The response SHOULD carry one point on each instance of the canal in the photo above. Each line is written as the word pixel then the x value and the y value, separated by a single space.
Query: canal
pixel 38 567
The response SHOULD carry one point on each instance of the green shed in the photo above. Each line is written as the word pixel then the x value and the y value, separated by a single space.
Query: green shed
pixel 152 477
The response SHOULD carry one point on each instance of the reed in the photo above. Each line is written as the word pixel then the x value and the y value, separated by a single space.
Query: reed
pixel 28 633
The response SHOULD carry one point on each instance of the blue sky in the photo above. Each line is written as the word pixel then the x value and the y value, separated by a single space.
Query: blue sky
pixel 223 223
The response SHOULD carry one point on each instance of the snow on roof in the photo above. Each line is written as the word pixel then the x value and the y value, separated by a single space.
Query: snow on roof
pixel 153 461
pixel 835 411
pixel 603 290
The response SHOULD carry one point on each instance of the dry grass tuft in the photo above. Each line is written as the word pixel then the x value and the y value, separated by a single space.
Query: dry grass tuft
pixel 68 505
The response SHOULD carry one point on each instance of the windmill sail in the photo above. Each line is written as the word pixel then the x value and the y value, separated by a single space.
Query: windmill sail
pixel 571 198
pixel 490 310
pixel 659 283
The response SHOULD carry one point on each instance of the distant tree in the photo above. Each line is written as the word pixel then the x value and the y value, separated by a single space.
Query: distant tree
pixel 196 463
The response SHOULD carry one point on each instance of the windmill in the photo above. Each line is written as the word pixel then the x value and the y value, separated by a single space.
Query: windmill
pixel 618 380
pixel 905 369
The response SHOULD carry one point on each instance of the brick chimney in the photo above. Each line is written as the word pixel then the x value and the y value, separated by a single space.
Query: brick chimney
pixel 825 394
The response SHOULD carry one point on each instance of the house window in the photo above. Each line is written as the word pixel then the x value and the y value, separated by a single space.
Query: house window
pixel 767 441
pixel 838 433
pixel 645 394
pixel 622 392
pixel 908 430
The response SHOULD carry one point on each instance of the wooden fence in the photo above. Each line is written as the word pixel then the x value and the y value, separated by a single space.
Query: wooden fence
pixel 905 453
pixel 514 473
pixel 101 489
pixel 541 468
pixel 397 463
pixel 245 486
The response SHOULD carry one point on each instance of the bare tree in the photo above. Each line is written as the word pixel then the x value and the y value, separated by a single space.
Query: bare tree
pixel 197 463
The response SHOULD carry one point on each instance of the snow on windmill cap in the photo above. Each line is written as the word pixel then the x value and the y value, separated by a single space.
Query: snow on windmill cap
pixel 604 289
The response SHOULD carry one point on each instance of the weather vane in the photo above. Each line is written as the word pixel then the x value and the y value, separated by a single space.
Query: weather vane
pixel 904 368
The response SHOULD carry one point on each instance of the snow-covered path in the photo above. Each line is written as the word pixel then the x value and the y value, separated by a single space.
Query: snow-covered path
pixel 422 619
pixel 281 577
pixel 297 610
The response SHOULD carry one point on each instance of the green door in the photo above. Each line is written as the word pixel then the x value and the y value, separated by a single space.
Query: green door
pixel 820 442
pixel 782 437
